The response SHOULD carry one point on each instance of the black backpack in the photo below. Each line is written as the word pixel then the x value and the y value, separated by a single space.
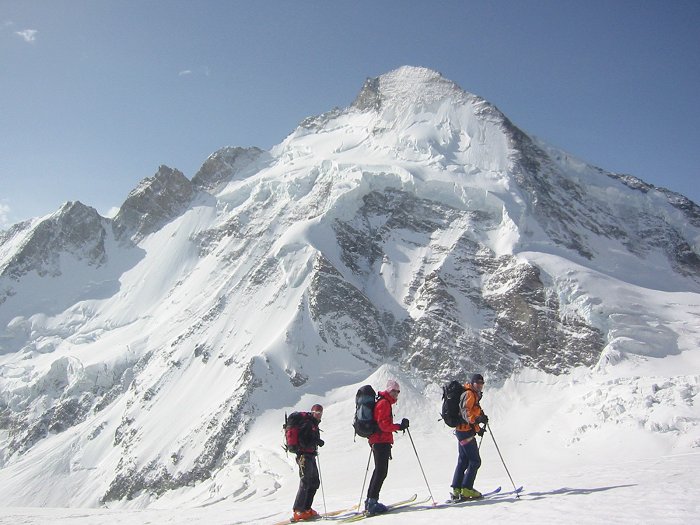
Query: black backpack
pixel 451 395
pixel 364 423
pixel 298 431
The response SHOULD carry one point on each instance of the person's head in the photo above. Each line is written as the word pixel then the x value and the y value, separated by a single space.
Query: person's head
pixel 317 411
pixel 393 389
pixel 478 382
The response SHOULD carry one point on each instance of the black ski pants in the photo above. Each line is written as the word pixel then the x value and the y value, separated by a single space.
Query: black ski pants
pixel 382 455
pixel 309 481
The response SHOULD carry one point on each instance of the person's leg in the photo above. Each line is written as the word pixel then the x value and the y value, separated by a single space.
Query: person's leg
pixel 313 481
pixel 303 491
pixel 462 461
pixel 474 462
pixel 382 454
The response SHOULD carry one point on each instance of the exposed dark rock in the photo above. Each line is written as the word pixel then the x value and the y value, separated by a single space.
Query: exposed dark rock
pixel 155 202
pixel 223 166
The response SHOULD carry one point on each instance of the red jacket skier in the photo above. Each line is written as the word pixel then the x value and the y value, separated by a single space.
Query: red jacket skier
pixel 381 442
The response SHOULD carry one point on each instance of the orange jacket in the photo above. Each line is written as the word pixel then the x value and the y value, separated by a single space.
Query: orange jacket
pixel 471 405
pixel 385 420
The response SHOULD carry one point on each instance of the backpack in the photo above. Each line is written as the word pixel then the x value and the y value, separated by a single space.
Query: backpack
pixel 364 423
pixel 298 428
pixel 451 406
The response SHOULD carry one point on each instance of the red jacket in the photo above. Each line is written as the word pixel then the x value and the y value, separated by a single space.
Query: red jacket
pixel 385 420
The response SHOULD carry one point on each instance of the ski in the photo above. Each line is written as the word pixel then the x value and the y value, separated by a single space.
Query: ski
pixel 334 514
pixel 393 506
pixel 483 495
pixel 514 492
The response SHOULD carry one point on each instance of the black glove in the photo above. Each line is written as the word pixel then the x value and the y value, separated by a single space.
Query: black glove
pixel 404 424
pixel 320 442
pixel 481 432
pixel 483 419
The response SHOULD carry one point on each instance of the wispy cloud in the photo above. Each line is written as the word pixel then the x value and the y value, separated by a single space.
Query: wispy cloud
pixel 28 35
pixel 111 213
pixel 5 220
pixel 200 71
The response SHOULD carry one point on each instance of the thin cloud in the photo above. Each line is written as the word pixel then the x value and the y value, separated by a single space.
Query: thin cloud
pixel 201 71
pixel 5 221
pixel 28 35
pixel 112 212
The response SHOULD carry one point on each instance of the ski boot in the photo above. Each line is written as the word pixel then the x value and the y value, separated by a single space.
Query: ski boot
pixel 373 507
pixel 303 515
pixel 456 495
pixel 470 494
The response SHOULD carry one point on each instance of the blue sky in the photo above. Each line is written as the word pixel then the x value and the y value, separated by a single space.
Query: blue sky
pixel 96 94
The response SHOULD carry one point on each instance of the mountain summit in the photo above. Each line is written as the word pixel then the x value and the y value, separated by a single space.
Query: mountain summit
pixel 407 86
pixel 417 228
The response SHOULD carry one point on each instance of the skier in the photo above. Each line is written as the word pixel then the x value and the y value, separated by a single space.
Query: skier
pixel 309 479
pixel 469 460
pixel 381 442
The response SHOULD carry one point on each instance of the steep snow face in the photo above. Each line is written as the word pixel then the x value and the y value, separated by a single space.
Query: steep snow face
pixel 418 228
pixel 412 115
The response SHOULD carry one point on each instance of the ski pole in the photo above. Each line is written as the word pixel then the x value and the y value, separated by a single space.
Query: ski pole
pixel 359 504
pixel 421 467
pixel 517 494
pixel 320 479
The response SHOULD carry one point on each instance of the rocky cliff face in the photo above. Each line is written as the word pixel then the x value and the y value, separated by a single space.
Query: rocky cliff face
pixel 223 166
pixel 156 201
pixel 75 228
pixel 464 307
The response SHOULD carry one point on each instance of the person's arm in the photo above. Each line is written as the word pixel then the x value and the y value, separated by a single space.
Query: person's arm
pixel 383 416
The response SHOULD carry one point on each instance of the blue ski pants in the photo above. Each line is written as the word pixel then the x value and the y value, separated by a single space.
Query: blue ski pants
pixel 468 461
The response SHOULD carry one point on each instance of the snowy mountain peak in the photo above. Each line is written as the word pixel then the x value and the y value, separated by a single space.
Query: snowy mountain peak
pixel 155 201
pixel 75 228
pixel 224 165
pixel 406 86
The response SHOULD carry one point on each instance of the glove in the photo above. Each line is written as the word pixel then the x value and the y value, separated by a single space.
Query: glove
pixel 481 432
pixel 404 424
pixel 483 419
pixel 320 442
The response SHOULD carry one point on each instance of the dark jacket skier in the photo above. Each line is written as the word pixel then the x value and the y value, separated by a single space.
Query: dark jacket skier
pixel 309 479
